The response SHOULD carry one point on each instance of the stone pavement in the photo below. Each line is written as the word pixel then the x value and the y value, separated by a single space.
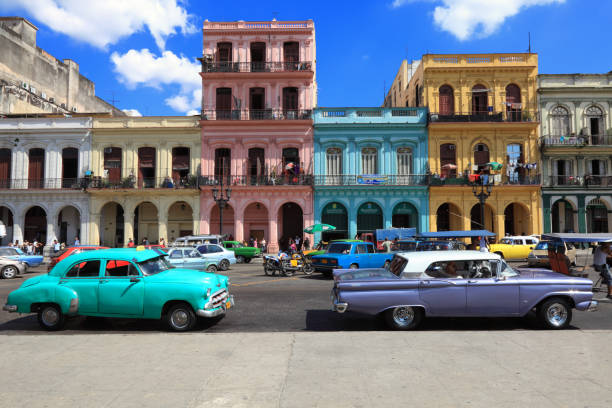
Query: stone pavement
pixel 300 369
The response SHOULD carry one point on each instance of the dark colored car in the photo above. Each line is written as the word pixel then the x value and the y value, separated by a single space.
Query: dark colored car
pixel 66 252
pixel 441 246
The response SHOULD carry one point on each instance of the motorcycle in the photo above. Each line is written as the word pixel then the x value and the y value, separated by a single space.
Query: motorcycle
pixel 272 264
pixel 286 265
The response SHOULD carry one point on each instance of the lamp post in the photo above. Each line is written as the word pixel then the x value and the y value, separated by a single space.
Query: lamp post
pixel 221 201
pixel 481 191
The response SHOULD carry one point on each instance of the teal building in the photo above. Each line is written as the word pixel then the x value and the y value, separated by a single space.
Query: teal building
pixel 370 168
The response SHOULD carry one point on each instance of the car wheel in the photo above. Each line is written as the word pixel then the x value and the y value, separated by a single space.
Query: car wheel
pixel 308 269
pixel 266 268
pixel 224 265
pixel 211 268
pixel 555 313
pixel 50 317
pixel 9 272
pixel 180 317
pixel 403 317
pixel 354 266
pixel 240 259
pixel 288 272
pixel 247 260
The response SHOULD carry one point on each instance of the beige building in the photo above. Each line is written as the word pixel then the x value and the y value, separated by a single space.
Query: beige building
pixel 398 93
pixel 145 179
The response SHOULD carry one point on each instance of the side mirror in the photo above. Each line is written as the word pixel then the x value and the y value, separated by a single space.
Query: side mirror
pixel 134 279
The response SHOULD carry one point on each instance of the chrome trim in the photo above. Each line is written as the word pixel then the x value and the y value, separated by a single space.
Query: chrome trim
pixel 218 310
pixel 339 307
pixel 593 306
pixel 10 308
pixel 74 305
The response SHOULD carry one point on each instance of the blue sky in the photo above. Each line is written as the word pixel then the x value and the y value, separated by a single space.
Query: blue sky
pixel 360 44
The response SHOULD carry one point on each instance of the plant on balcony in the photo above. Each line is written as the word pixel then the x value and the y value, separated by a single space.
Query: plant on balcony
pixel 128 182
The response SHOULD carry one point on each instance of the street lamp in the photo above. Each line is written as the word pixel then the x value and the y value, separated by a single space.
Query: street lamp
pixel 481 191
pixel 221 201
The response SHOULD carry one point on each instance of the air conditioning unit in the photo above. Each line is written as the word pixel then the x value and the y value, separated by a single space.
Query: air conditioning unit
pixel 63 106
pixel 32 89
pixel 24 85
pixel 74 109
pixel 108 150
pixel 52 100
pixel 43 95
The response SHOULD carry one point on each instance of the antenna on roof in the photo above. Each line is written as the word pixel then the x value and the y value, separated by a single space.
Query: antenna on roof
pixel 529 36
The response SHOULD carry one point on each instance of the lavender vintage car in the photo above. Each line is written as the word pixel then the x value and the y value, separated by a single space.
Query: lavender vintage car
pixel 459 283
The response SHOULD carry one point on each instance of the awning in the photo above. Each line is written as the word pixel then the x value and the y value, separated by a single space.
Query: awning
pixel 576 237
pixel 456 234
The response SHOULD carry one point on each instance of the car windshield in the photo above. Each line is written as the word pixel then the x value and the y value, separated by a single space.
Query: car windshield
pixel 506 270
pixel 543 245
pixel 19 251
pixel 339 248
pixel 154 265
pixel 238 245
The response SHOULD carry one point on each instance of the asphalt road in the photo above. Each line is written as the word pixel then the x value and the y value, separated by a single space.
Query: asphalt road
pixel 284 304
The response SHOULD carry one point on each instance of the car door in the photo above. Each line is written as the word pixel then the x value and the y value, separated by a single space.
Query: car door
pixel 441 294
pixel 176 258
pixel 193 260
pixel 208 254
pixel 487 295
pixel 359 255
pixel 373 260
pixel 121 289
pixel 84 278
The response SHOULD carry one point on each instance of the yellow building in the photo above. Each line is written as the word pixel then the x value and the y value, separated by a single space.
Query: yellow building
pixel 482 110
pixel 144 181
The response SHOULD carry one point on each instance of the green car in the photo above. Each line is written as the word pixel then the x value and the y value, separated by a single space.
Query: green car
pixel 243 253
pixel 126 283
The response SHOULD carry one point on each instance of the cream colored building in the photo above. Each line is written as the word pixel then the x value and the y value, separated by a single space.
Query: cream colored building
pixel 145 179
pixel 398 93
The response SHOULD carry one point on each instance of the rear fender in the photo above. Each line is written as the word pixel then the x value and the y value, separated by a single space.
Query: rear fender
pixel 573 297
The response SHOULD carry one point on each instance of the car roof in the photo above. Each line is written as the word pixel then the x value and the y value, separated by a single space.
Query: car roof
pixel 441 256
pixel 333 241
pixel 121 254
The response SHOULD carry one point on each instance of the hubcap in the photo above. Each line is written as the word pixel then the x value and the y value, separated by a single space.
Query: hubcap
pixel 10 272
pixel 180 318
pixel 50 316
pixel 403 315
pixel 556 314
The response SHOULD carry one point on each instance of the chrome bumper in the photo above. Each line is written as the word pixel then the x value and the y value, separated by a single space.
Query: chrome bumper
pixel 10 308
pixel 593 306
pixel 337 306
pixel 216 311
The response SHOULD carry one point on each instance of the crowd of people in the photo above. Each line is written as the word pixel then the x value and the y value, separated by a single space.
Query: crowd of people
pixel 36 247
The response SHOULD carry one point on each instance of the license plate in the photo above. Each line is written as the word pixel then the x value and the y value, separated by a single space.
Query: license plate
pixel 323 260
pixel 228 304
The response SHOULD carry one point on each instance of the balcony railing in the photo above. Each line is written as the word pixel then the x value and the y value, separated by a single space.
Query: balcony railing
pixel 371 180
pixel 45 183
pixel 258 180
pixel 299 66
pixel 521 115
pixel 496 179
pixel 256 114
pixel 333 116
pixel 573 140
pixel 586 181
pixel 132 182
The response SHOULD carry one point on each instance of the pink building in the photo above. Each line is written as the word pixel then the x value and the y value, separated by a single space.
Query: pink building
pixel 258 92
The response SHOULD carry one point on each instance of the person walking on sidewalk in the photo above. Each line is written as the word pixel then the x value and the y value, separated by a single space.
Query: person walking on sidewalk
pixel 600 261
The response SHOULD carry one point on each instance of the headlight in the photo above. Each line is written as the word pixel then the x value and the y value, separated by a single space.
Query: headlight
pixel 208 291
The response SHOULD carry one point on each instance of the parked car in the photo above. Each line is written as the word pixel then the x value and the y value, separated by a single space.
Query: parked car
pixel 10 268
pixel 514 247
pixel 19 255
pixel 459 283
pixel 539 255
pixel 242 253
pixel 353 255
pixel 124 283
pixel 441 246
pixel 407 245
pixel 190 258
pixel 193 240
pixel 66 252
pixel 222 257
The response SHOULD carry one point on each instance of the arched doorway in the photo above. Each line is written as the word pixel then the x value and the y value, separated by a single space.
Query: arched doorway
pixel 447 100
pixel 228 220
pixel 70 167
pixel 517 220
pixel 180 220
pixel 448 218
pixel 597 216
pixel 146 223
pixel 513 103
pixel 480 100
pixel 6 225
pixel 291 222
pixel 405 215
pixel 256 222
pixel 476 222
pixel 69 225
pixel 35 225
pixel 448 160
pixel 36 168
pixel 369 218
pixel 112 225
pixel 335 214
pixel 562 217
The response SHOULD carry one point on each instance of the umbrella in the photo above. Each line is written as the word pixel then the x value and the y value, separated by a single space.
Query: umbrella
pixel 450 166
pixel 495 165
pixel 318 228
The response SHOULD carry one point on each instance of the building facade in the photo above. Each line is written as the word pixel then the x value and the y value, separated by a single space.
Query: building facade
pixel 483 116
pixel 370 168
pixel 576 144
pixel 144 181
pixel 258 92
pixel 42 167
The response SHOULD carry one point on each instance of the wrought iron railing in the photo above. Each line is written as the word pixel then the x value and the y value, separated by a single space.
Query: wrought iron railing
pixel 495 179
pixel 132 182
pixel 588 180
pixel 256 66
pixel 580 140
pixel 257 180
pixel 44 183
pixel 256 114
pixel 510 115
pixel 372 180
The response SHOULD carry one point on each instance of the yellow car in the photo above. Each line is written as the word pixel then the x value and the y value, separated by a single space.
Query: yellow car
pixel 514 247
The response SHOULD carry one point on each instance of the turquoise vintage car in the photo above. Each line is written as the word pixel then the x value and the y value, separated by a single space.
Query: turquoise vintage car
pixel 127 283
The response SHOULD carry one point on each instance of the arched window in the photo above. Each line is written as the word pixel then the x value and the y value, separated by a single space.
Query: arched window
pixel 369 160
pixel 5 168
pixel 404 161
pixel 559 121
pixel 448 160
pixel 481 156
pixel 480 99
pixel 112 164
pixel 513 103
pixel 333 161
pixel 447 100
pixel 594 118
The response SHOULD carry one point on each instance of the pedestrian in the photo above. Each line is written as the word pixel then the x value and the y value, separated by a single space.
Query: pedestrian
pixel 387 244
pixel 162 242
pixel 395 244
pixel 293 248
pixel 56 246
pixel 297 242
pixel 251 241
pixel 145 241
pixel 77 242
pixel 30 248
pixel 484 247
pixel 255 243
pixel 263 245
pixel 130 243
pixel 306 243
pixel 600 258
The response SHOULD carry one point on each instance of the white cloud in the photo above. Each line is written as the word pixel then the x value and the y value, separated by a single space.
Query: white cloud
pixel 104 22
pixel 131 112
pixel 192 112
pixel 480 18
pixel 143 68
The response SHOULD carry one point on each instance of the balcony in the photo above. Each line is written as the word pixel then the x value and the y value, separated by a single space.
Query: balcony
pixel 479 60
pixel 257 114
pixel 587 181
pixel 302 66
pixel 334 116
pixel 131 182
pixel 371 180
pixel 495 179
pixel 260 25
pixel 44 184
pixel 576 141
pixel 516 116
pixel 257 180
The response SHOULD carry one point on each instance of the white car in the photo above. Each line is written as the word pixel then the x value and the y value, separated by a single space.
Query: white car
pixel 222 257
